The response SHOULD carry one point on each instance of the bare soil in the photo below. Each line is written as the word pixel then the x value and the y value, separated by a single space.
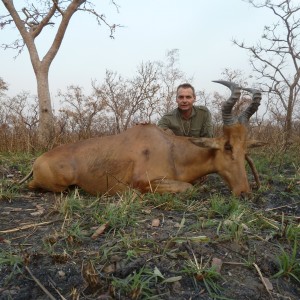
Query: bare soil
pixel 57 263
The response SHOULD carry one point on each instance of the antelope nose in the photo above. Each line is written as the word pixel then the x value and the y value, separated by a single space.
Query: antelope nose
pixel 245 195
pixel 242 192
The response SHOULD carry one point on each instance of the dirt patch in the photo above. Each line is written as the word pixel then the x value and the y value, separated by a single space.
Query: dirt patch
pixel 190 251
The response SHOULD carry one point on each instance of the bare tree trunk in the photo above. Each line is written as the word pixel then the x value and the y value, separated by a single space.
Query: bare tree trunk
pixel 288 125
pixel 46 130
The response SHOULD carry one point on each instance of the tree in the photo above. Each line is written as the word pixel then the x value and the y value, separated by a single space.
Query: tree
pixel 18 122
pixel 30 21
pixel 275 59
pixel 113 93
pixel 80 111
pixel 170 76
pixel 129 99
pixel 3 87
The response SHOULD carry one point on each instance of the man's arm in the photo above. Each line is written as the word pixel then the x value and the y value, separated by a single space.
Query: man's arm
pixel 164 124
pixel 207 129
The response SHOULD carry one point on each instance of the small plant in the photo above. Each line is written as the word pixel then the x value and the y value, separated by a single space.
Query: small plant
pixel 209 223
pixel 106 250
pixel 234 215
pixel 292 232
pixel 75 232
pixel 168 201
pixel 131 254
pixel 134 245
pixel 138 285
pixel 7 258
pixel 289 265
pixel 234 226
pixel 48 246
pixel 220 207
pixel 121 213
pixel 202 272
pixel 289 229
pixel 249 261
pixel 132 241
pixel 71 204
pixel 8 191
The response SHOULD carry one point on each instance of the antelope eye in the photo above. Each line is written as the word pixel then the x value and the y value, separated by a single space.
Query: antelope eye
pixel 228 147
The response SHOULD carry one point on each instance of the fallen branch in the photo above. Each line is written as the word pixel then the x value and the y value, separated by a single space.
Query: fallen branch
pixel 282 206
pixel 39 284
pixel 27 227
pixel 52 283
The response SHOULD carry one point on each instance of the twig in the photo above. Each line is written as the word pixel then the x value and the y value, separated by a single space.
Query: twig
pixel 268 221
pixel 27 227
pixel 262 278
pixel 233 263
pixel 39 284
pixel 63 224
pixel 52 283
pixel 278 207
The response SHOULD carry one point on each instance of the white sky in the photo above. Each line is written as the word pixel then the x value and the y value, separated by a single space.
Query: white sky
pixel 202 30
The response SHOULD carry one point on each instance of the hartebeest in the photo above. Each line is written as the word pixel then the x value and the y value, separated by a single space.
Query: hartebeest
pixel 146 158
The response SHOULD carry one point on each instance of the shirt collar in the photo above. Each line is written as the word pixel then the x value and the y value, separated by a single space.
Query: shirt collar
pixel 192 115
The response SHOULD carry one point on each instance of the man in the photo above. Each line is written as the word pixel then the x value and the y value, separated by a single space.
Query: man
pixel 187 119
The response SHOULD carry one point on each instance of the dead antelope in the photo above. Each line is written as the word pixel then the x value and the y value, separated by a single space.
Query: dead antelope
pixel 147 159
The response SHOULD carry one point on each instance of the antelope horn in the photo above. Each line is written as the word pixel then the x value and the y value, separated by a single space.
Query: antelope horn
pixel 252 108
pixel 228 118
pixel 254 171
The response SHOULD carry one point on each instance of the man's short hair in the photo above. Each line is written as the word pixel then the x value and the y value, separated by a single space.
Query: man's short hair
pixel 186 86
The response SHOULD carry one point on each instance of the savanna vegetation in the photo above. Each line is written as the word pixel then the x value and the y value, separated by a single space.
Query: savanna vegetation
pixel 205 244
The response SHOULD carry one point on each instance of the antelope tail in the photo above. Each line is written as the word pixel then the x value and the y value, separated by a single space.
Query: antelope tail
pixel 26 177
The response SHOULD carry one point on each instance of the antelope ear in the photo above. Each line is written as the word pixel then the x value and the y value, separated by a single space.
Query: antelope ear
pixel 206 143
pixel 255 143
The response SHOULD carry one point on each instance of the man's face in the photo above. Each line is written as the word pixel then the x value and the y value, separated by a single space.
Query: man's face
pixel 185 99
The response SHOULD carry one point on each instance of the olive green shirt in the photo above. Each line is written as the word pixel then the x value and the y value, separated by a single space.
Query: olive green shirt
pixel 198 125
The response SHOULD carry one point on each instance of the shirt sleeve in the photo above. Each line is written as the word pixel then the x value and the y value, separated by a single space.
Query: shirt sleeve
pixel 207 128
pixel 164 122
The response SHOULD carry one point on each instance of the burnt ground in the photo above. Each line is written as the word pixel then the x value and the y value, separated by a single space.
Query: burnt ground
pixel 150 247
